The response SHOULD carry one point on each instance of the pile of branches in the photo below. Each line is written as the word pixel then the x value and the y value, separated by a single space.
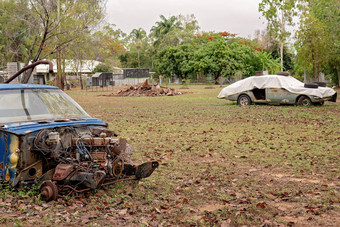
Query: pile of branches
pixel 146 89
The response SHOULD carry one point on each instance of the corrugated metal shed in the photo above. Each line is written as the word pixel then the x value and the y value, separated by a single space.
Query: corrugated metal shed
pixel 96 75
pixel 135 73
pixel 102 79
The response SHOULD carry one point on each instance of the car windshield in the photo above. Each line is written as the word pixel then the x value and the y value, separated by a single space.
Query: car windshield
pixel 37 104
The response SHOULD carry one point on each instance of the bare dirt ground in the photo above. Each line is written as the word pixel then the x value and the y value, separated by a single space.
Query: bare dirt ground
pixel 220 165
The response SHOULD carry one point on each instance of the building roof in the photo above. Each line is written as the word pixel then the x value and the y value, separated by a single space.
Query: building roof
pixel 96 75
pixel 71 66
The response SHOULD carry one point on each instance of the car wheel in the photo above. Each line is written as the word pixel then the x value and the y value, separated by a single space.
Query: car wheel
pixel 320 84
pixel 244 100
pixel 312 85
pixel 48 191
pixel 282 73
pixel 304 101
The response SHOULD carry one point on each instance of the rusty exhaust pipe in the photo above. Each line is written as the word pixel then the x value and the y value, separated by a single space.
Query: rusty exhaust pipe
pixel 29 67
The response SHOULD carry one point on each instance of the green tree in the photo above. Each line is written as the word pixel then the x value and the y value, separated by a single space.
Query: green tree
pixel 172 31
pixel 313 43
pixel 52 25
pixel 327 12
pixel 268 62
pixel 287 56
pixel 279 14
pixel 78 52
pixel 102 67
pixel 138 55
pixel 138 35
pixel 214 58
pixel 163 27
pixel 176 61
pixel 218 54
pixel 15 36
pixel 107 45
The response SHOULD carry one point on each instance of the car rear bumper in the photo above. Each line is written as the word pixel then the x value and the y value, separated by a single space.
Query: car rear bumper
pixel 334 97
pixel 329 98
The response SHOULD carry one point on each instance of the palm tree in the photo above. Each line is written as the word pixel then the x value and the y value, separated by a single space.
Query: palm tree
pixel 164 26
pixel 138 35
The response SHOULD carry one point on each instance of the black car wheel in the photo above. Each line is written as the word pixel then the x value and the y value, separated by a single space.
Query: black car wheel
pixel 282 73
pixel 320 84
pixel 244 100
pixel 304 101
pixel 312 85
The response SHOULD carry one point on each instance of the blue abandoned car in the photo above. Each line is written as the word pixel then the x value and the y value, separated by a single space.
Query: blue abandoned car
pixel 46 138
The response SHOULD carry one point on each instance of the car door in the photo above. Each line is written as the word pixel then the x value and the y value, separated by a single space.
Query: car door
pixel 279 96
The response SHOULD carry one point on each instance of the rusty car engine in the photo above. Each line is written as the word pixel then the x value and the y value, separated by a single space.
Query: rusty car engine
pixel 46 138
pixel 75 159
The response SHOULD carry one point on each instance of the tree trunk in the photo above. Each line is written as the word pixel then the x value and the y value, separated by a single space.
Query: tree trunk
pixel 281 55
pixel 59 73
pixel 81 82
pixel 152 61
pixel 315 71
pixel 138 58
pixel 81 78
pixel 60 81
pixel 63 74
pixel 26 75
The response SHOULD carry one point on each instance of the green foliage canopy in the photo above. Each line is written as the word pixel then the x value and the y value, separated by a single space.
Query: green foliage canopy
pixel 313 43
pixel 218 54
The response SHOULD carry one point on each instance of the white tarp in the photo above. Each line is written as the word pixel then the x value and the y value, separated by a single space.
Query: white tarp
pixel 274 81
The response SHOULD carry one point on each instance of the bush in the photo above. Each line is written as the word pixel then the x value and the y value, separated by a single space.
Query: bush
pixel 103 68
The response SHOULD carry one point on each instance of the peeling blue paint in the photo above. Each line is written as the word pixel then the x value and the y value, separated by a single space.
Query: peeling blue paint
pixel 4 148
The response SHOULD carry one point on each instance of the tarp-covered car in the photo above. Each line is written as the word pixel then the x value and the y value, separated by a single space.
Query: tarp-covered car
pixel 277 89
pixel 46 138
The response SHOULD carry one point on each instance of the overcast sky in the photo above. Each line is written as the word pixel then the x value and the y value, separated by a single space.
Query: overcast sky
pixel 235 16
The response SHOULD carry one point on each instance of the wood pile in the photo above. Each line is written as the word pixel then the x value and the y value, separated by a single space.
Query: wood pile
pixel 146 89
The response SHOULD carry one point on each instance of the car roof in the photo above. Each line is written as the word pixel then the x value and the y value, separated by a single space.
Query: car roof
pixel 270 76
pixel 25 86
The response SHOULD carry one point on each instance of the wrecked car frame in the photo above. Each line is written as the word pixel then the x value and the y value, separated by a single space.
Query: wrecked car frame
pixel 46 138
pixel 276 89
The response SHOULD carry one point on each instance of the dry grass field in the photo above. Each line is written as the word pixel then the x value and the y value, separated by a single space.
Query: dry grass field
pixel 220 165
